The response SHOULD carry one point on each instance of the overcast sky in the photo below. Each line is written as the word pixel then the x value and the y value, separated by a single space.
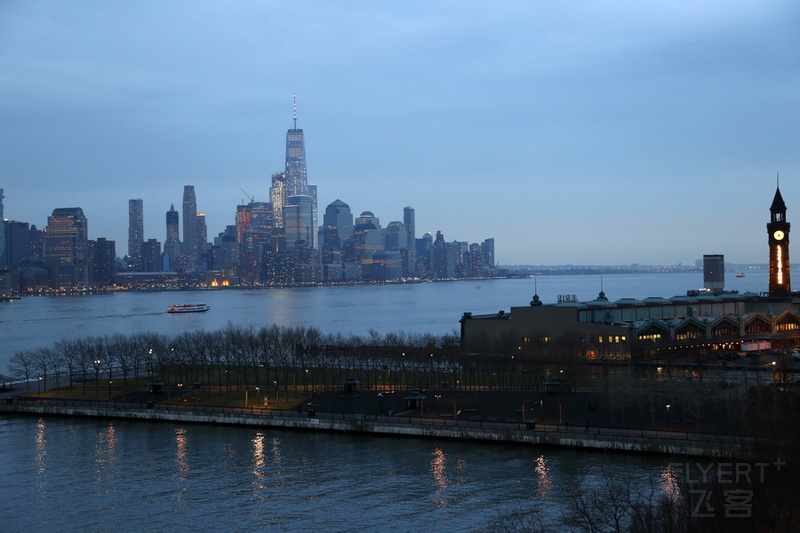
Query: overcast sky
pixel 583 132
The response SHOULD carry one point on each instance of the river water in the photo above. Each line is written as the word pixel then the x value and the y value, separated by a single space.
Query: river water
pixel 99 475
pixel 95 475
pixel 434 308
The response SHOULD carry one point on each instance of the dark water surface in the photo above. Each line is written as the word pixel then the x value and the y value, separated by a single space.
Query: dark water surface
pixel 95 475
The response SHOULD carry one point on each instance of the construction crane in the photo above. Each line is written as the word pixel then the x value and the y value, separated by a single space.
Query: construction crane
pixel 251 198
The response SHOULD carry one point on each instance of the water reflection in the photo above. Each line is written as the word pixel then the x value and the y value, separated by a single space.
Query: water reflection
pixel 669 483
pixel 259 466
pixel 41 456
pixel 544 478
pixel 438 465
pixel 277 456
pixel 104 453
pixel 438 470
pixel 258 456
pixel 181 459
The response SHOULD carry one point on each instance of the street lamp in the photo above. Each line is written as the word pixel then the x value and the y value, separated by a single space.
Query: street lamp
pixel 96 378
pixel 150 367
pixel 668 421
pixel 380 400
pixel 403 377
pixel 258 391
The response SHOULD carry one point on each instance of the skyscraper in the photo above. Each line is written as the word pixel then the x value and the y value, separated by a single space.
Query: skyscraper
pixel 337 225
pixel 173 225
pixel 298 220
pixel 367 241
pixel 312 192
pixel 102 261
pixel 262 222
pixel 244 222
pixel 18 243
pixel 714 272
pixel 277 195
pixel 202 240
pixel 189 220
pixel 151 256
pixel 396 237
pixel 254 229
pixel 191 228
pixel 66 247
pixel 135 233
pixel 409 216
pixel 296 177
pixel 172 243
pixel 439 257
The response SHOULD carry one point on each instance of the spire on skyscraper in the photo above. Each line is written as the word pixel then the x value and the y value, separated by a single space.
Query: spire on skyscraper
pixel 295 172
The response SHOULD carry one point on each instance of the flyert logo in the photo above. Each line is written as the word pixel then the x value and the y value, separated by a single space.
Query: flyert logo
pixel 736 502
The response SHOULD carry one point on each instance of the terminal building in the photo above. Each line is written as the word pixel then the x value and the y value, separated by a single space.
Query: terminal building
pixel 702 322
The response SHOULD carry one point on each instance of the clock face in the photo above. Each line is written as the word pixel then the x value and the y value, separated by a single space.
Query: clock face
pixel 778 235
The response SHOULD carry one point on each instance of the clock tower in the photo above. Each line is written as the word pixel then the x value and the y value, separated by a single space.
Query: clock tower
pixel 778 230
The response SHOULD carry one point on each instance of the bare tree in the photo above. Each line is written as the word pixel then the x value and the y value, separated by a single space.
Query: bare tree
pixel 22 364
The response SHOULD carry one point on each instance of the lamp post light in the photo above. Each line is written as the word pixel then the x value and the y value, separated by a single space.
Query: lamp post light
pixel 258 392
pixel 380 402
pixel 96 379
pixel 403 377
pixel 668 420
pixel 150 368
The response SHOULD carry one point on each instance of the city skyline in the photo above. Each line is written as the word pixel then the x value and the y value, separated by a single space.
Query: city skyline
pixel 574 134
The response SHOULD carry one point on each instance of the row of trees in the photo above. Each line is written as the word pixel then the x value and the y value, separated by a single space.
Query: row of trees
pixel 275 358
pixel 237 357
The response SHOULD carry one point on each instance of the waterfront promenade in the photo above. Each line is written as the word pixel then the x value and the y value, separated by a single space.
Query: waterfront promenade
pixel 409 423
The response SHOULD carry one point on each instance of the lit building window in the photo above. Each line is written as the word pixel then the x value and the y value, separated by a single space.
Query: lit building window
pixel 654 337
pixel 691 334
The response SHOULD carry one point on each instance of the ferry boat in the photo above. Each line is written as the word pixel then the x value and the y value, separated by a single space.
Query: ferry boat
pixel 740 275
pixel 188 308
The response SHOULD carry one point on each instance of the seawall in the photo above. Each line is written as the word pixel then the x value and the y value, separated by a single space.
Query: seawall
pixel 699 445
